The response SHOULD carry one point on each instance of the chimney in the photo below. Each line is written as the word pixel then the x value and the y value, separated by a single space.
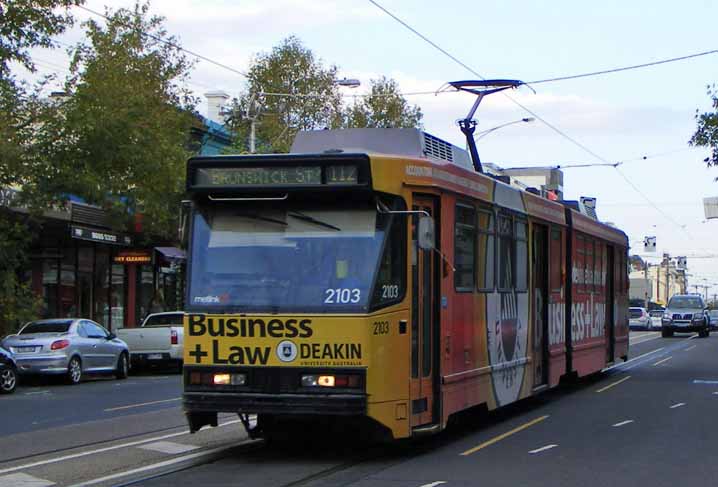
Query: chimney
pixel 215 103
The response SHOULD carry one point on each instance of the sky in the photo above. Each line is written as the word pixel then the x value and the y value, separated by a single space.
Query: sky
pixel 643 118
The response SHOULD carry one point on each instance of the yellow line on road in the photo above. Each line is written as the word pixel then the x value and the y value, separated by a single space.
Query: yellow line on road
pixel 503 435
pixel 129 406
pixel 614 384
pixel 664 360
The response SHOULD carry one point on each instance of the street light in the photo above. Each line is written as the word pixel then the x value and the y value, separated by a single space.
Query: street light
pixel 348 82
pixel 488 131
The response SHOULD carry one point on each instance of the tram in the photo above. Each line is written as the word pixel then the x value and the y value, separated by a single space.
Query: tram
pixel 373 275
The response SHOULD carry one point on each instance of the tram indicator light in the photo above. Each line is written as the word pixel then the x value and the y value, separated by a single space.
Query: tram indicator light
pixel 221 379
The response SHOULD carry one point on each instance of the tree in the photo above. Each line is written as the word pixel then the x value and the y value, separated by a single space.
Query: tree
pixel 707 131
pixel 121 142
pixel 23 25
pixel 385 107
pixel 288 90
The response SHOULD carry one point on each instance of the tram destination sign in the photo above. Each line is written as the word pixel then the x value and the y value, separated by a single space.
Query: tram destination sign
pixel 276 176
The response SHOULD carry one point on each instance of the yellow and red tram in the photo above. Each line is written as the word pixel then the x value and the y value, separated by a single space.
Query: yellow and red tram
pixel 312 292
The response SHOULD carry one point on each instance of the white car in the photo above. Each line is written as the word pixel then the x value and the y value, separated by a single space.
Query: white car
pixel 638 319
pixel 656 317
pixel 159 340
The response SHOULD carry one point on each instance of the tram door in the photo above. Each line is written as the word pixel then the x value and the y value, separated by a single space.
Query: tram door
pixel 540 288
pixel 610 304
pixel 424 321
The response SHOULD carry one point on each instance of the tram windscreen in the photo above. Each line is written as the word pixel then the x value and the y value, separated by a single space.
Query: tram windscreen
pixel 285 259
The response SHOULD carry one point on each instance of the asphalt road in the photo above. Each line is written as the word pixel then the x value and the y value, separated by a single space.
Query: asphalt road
pixel 648 421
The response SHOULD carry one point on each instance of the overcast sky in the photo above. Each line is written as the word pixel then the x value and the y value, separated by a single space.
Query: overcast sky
pixel 620 117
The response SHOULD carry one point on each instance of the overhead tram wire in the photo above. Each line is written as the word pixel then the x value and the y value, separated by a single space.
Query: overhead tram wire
pixel 531 112
pixel 624 68
pixel 172 44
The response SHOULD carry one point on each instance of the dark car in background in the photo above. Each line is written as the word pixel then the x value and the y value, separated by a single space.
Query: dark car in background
pixel 713 318
pixel 8 372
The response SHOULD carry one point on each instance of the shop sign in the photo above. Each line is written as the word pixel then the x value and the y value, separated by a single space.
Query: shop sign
pixel 134 257
pixel 100 236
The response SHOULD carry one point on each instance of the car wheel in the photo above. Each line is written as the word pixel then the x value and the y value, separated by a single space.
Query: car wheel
pixel 74 371
pixel 8 381
pixel 123 367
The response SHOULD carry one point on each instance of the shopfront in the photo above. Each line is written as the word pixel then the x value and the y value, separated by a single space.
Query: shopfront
pixel 98 274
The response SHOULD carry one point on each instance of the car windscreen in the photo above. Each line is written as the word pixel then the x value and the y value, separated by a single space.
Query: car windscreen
pixel 685 302
pixel 635 313
pixel 46 327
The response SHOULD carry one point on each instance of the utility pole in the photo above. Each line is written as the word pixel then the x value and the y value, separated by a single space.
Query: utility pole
pixel 667 259
pixel 252 115
pixel 645 277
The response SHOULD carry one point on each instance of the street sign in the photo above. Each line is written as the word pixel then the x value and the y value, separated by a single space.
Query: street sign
pixel 710 207
pixel 681 263
pixel 649 244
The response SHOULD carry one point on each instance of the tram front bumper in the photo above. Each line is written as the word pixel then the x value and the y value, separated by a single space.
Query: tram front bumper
pixel 257 403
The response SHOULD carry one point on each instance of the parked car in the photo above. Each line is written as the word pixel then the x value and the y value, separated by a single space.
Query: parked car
pixel 656 317
pixel 8 372
pixel 157 341
pixel 638 319
pixel 685 313
pixel 713 319
pixel 71 347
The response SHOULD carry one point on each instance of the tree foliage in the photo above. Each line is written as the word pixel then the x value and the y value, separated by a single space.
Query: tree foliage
pixel 384 107
pixel 24 25
pixel 706 134
pixel 121 140
pixel 290 69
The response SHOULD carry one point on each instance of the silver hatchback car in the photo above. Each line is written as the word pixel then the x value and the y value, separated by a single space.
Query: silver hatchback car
pixel 70 347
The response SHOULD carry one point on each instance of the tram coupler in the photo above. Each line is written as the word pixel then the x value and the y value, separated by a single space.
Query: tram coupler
pixel 198 420
pixel 255 431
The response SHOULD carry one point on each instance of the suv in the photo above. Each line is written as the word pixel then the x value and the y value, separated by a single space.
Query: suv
pixel 685 313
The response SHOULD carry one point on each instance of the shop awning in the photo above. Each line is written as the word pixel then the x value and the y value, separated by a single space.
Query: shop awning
pixel 172 253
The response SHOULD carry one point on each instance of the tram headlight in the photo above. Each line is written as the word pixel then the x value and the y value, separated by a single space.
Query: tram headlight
pixel 347 381
pixel 229 379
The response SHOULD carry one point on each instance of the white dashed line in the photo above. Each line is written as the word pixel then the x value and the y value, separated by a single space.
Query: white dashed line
pixel 690 348
pixel 36 393
pixel 130 406
pixel 434 484
pixel 663 361
pixel 23 480
pixel 700 381
pixel 678 405
pixel 543 448
pixel 622 423
pixel 169 447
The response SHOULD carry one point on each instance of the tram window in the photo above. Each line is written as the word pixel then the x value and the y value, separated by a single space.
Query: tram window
pixel 522 257
pixel 391 278
pixel 579 263
pixel 589 263
pixel 486 252
pixel 506 266
pixel 598 267
pixel 464 248
pixel 556 260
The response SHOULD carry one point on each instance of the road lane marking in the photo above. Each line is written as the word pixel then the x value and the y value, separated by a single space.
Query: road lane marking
pixel 701 381
pixel 690 348
pixel 36 392
pixel 543 448
pixel 662 361
pixel 434 484
pixel 23 480
pixel 623 364
pixel 503 435
pixel 103 450
pixel 644 338
pixel 168 447
pixel 130 406
pixel 678 405
pixel 622 423
pixel 614 384
pixel 154 466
